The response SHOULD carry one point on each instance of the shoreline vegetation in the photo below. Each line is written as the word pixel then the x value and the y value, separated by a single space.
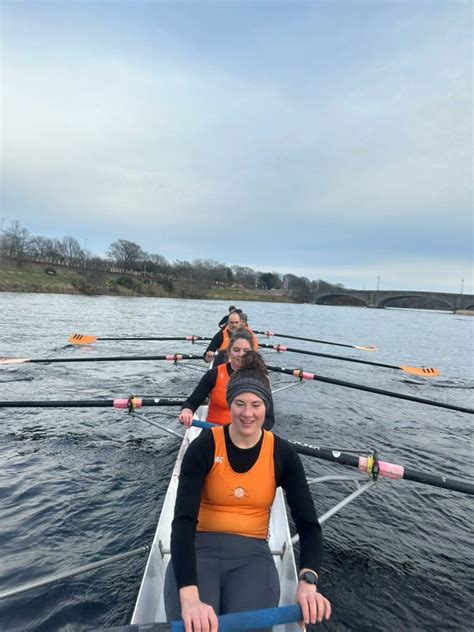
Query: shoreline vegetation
pixel 38 278
pixel 38 264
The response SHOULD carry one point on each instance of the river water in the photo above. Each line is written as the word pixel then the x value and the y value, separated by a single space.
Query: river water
pixel 80 485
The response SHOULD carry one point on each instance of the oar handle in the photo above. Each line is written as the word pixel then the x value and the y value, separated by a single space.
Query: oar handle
pixel 253 619
pixel 205 425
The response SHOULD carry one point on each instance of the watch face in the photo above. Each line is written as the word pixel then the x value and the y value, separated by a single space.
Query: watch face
pixel 309 578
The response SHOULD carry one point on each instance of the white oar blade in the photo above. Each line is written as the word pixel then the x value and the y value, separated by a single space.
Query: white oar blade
pixel 13 360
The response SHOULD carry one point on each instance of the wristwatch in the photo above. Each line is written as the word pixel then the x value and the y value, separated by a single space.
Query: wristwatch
pixel 309 577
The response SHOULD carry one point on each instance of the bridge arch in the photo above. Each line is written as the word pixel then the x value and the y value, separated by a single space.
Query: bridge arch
pixel 423 302
pixel 341 299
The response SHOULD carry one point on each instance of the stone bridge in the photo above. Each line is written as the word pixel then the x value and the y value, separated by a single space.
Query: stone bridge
pixel 388 298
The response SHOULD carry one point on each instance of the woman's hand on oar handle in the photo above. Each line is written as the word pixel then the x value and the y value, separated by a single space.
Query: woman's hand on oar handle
pixel 209 356
pixel 314 605
pixel 197 616
pixel 186 417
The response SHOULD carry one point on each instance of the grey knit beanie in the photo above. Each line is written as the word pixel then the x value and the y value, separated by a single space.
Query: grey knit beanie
pixel 246 384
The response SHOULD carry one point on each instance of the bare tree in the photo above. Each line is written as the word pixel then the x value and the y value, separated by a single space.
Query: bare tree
pixel 16 242
pixel 71 250
pixel 244 276
pixel 126 254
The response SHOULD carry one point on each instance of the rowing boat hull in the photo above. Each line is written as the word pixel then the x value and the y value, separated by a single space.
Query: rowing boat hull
pixel 150 602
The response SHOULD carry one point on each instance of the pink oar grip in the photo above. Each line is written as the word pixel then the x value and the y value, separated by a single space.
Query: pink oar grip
pixel 387 470
pixel 123 403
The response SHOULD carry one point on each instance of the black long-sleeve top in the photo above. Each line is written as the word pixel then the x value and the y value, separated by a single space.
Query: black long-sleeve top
pixel 215 343
pixel 205 386
pixel 289 475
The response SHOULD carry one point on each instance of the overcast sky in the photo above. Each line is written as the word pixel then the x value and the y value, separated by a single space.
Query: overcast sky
pixel 326 139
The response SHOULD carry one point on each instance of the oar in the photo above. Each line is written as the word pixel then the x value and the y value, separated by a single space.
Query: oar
pixel 252 619
pixel 86 339
pixel 236 622
pixel 373 466
pixel 50 579
pixel 380 468
pixel 305 375
pixel 131 403
pixel 413 370
pixel 322 342
pixel 171 357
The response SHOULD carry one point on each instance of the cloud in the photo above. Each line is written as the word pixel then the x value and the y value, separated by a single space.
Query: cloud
pixel 337 162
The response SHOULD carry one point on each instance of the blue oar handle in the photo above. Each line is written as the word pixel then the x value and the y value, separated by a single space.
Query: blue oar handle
pixel 252 619
pixel 202 424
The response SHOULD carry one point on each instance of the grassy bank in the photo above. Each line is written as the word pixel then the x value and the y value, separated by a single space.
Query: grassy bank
pixel 61 280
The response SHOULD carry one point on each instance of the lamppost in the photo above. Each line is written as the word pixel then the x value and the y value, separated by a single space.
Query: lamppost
pixel 376 292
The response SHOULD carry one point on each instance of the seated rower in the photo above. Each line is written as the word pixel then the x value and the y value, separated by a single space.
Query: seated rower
pixel 244 322
pixel 220 559
pixel 223 320
pixel 214 382
pixel 220 342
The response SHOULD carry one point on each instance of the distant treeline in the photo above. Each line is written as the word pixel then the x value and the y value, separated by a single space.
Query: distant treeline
pixel 127 257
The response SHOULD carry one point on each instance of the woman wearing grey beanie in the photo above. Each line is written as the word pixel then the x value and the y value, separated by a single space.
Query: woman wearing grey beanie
pixel 221 561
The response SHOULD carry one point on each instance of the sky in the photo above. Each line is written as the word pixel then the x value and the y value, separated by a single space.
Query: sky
pixel 331 140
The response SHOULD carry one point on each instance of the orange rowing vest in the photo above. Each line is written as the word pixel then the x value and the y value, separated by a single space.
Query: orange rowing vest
pixel 238 503
pixel 218 412
pixel 255 341
pixel 225 339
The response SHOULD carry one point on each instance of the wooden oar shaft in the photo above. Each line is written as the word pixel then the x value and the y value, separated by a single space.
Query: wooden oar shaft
pixel 135 402
pixel 370 389
pixel 322 342
pixel 281 348
pixel 387 470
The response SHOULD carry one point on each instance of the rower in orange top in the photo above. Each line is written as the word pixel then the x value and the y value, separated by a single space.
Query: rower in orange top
pixel 214 382
pixel 244 322
pixel 220 558
pixel 220 342
pixel 224 319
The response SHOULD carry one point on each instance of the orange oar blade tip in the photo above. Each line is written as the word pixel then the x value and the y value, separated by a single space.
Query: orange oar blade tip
pixel 81 339
pixel 13 360
pixel 421 371
pixel 368 348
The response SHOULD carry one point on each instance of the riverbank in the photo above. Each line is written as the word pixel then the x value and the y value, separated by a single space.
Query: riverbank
pixel 38 278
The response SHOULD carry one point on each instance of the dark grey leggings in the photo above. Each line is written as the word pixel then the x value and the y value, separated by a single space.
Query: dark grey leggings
pixel 234 574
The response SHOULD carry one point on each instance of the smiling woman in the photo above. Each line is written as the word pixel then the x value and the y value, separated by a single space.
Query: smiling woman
pixel 221 561
pixel 213 384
